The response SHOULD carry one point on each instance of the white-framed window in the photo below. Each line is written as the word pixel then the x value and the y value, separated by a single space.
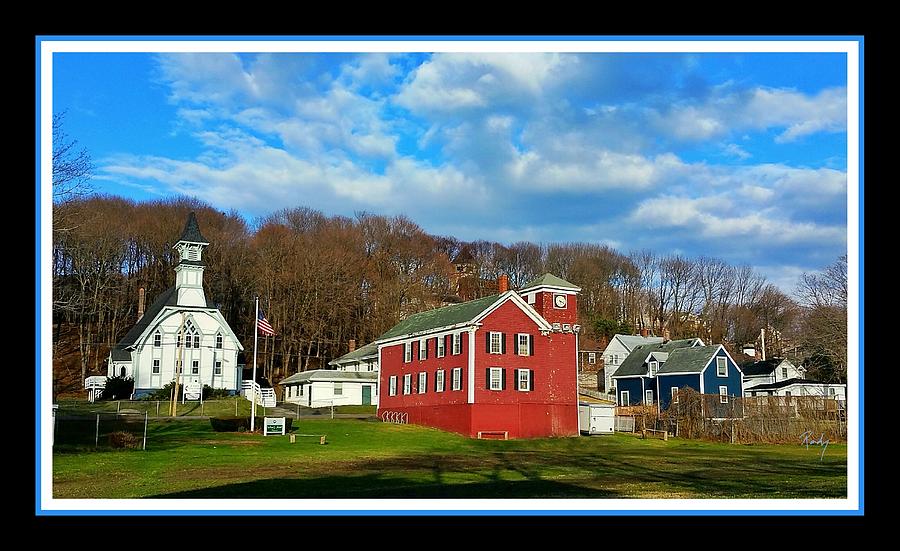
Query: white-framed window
pixel 196 341
pixel 439 381
pixel 496 379
pixel 723 394
pixel 155 366
pixel 423 349
pixel 407 352
pixel 178 340
pixel 523 378
pixel 721 366
pixel 217 370
pixel 496 343
pixel 338 389
pixel 831 392
pixel 178 366
pixel 616 359
pixel 457 343
pixel 654 367
pixel 530 298
pixel 674 394
pixel 624 398
pixel 523 344
pixel 157 340
pixel 592 357
pixel 407 383
pixel 423 382
pixel 195 367
pixel 648 397
pixel 784 373
pixel 392 385
pixel 395 387
pixel 457 378
pixel 218 341
pixel 441 346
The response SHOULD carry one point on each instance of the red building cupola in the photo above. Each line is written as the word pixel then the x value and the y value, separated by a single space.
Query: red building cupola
pixel 554 298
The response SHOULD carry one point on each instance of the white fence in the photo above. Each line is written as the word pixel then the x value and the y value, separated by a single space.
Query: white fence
pixel 624 423
pixel 264 396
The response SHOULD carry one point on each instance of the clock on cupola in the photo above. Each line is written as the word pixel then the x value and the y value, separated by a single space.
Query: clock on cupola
pixel 553 298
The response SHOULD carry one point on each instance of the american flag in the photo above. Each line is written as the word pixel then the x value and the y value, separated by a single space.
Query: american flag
pixel 264 326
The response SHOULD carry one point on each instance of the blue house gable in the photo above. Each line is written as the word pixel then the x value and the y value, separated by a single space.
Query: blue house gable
pixel 706 369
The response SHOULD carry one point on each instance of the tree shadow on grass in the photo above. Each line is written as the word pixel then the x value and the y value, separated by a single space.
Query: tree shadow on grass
pixel 377 486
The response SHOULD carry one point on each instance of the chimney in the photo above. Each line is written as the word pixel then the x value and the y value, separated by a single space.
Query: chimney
pixel 352 345
pixel 503 283
pixel 140 303
pixel 666 335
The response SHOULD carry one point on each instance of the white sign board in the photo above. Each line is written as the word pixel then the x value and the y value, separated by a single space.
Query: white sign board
pixel 273 425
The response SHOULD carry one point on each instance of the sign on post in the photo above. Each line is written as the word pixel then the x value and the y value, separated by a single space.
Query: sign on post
pixel 273 425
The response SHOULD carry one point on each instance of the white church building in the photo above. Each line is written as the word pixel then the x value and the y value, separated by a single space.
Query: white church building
pixel 180 331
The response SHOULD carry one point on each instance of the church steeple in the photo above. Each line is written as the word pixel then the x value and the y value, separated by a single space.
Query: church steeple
pixel 189 270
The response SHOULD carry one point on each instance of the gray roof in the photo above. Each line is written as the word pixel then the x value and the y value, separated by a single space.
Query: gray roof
pixel 368 351
pixel 630 341
pixel 761 367
pixel 660 356
pixel 330 375
pixel 166 298
pixel 192 231
pixel 789 382
pixel 634 363
pixel 689 360
pixel 550 280
pixel 440 317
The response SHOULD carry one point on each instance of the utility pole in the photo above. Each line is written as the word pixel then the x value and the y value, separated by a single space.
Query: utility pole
pixel 762 337
pixel 253 386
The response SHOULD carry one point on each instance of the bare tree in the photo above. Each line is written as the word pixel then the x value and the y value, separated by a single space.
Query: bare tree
pixel 824 326
pixel 72 167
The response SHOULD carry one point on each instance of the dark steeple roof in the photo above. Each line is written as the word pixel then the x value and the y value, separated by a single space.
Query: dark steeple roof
pixel 192 231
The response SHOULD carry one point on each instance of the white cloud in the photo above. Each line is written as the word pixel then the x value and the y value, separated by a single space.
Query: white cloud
pixel 453 81
pixel 760 108
pixel 734 150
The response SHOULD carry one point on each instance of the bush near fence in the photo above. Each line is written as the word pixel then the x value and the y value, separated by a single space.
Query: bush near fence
pixel 87 433
pixel 758 419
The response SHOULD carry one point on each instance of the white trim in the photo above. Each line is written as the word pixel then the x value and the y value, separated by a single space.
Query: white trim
pixel 491 342
pixel 407 352
pixel 650 371
pixel 718 367
pixel 407 378
pixel 491 372
pixel 470 398
pixel 464 325
pixel 456 339
pixel 440 380
pixel 392 385
pixel 673 399
pixel 452 371
pixel 621 399
pixel 650 390
pixel 440 347
pixel 423 382
pixel 527 380
pixel 527 344
pixel 423 347
pixel 723 395
pixel 553 289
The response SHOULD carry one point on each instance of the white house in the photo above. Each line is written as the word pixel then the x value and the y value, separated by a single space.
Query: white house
pixel 180 331
pixel 324 387
pixel 774 370
pixel 358 359
pixel 619 347
pixel 799 387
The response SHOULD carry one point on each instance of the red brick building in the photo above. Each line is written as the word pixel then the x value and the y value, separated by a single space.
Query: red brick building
pixel 505 363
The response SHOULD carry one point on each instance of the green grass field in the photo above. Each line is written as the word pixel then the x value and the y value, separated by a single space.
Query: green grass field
pixel 368 459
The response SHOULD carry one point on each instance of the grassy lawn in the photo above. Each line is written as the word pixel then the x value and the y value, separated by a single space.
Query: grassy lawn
pixel 367 459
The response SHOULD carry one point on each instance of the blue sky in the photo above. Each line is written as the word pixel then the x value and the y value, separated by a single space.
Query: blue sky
pixel 741 156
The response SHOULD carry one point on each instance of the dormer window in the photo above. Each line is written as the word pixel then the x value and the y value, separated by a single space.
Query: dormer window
pixel 654 367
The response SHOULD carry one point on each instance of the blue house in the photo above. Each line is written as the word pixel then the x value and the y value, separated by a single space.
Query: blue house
pixel 706 369
pixel 653 374
pixel 636 376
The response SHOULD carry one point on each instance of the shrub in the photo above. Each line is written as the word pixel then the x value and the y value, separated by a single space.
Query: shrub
pixel 122 439
pixel 164 393
pixel 214 393
pixel 118 388
pixel 241 424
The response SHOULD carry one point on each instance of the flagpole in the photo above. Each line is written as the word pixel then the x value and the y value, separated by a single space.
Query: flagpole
pixel 253 386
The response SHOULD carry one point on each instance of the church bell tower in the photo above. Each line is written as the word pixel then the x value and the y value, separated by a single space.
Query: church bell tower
pixel 189 270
